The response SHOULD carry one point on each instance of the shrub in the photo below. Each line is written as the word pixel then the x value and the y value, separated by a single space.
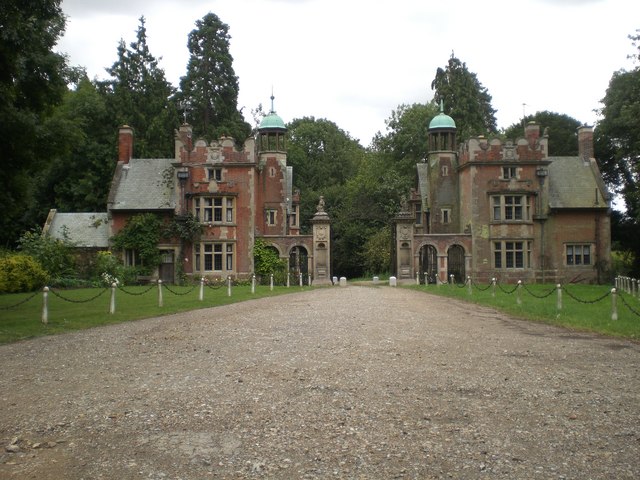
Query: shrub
pixel 55 256
pixel 21 273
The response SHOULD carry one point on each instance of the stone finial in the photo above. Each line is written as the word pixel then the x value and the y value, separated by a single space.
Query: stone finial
pixel 321 204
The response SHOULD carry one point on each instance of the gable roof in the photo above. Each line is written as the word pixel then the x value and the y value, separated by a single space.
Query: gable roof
pixel 143 184
pixel 575 183
pixel 83 229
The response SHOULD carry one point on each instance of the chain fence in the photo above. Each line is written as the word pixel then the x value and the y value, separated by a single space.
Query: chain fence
pixel 627 289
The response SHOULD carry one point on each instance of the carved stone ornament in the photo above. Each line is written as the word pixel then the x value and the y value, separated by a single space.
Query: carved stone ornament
pixel 405 232
pixel 321 232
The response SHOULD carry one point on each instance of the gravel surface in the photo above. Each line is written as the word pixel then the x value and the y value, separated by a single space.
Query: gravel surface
pixel 354 382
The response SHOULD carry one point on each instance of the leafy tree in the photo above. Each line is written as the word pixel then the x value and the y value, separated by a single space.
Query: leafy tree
pixel 407 139
pixel 617 146
pixel 324 157
pixel 78 177
pixel 210 86
pixel 32 81
pixel 562 129
pixel 465 99
pixel 139 95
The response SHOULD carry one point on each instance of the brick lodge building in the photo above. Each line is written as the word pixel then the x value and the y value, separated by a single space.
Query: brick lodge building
pixel 505 210
pixel 236 195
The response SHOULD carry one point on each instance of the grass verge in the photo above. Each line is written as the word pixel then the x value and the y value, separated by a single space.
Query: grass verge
pixel 584 307
pixel 21 314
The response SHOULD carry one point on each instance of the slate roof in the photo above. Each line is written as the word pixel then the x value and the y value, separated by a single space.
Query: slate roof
pixel 573 183
pixel 83 229
pixel 143 184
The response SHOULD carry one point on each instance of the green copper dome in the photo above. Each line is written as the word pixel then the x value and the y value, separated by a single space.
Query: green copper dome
pixel 442 120
pixel 272 120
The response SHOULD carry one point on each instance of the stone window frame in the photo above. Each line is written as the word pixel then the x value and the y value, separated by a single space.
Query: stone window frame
pixel 214 256
pixel 511 254
pixel 574 259
pixel 506 209
pixel 214 209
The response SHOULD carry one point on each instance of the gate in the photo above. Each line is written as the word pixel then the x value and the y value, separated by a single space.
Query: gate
pixel 298 264
pixel 428 267
pixel 455 261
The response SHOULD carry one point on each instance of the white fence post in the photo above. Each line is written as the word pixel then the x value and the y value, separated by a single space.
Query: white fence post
pixel 271 282
pixel 614 304
pixel 559 301
pixel 469 286
pixel 229 286
pixel 45 305
pixel 493 287
pixel 201 295
pixel 112 304
pixel 253 284
pixel 160 301
pixel 518 295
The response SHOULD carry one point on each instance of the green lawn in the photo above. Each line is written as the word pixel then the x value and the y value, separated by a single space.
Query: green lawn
pixel 584 307
pixel 24 320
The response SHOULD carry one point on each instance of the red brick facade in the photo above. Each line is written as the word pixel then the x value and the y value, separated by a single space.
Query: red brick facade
pixel 505 210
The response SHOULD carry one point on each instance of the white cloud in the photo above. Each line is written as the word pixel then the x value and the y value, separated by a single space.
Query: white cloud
pixel 353 62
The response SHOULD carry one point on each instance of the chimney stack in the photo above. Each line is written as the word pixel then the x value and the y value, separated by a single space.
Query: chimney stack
pixel 532 132
pixel 125 144
pixel 585 143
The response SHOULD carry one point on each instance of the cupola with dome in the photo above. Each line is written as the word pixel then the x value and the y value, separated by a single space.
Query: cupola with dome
pixel 442 132
pixel 272 132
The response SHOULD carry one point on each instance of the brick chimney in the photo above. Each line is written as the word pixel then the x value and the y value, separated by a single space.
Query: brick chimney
pixel 585 142
pixel 532 132
pixel 125 143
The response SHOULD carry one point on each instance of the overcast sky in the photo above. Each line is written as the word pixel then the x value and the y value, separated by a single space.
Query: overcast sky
pixel 354 61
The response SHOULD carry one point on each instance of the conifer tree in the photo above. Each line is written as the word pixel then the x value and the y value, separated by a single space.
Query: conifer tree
pixel 465 99
pixel 210 86
pixel 140 96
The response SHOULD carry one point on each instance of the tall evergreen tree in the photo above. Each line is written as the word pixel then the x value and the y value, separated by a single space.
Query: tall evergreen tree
pixel 32 82
pixel 139 95
pixel 465 99
pixel 210 86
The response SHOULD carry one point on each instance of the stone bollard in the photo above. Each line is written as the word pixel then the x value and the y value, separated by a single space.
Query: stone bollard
pixel 271 282
pixel 229 286
pixel 519 293
pixel 376 280
pixel 335 280
pixel 451 279
pixel 614 304
pixel 201 294
pixel 417 278
pixel 343 281
pixel 469 285
pixel 253 284
pixel 160 299
pixel 493 287
pixel 393 282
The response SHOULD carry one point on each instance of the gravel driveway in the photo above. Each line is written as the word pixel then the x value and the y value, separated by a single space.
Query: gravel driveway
pixel 355 382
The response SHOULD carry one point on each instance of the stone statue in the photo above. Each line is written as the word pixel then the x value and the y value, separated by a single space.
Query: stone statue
pixel 321 204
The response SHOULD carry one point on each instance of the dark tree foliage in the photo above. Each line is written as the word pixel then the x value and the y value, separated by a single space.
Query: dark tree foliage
pixel 32 82
pixel 617 148
pixel 465 99
pixel 139 95
pixel 323 157
pixel 562 130
pixel 406 142
pixel 210 87
pixel 79 176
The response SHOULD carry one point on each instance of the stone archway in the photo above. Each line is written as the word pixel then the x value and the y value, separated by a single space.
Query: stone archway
pixel 299 263
pixel 428 264
pixel 456 263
